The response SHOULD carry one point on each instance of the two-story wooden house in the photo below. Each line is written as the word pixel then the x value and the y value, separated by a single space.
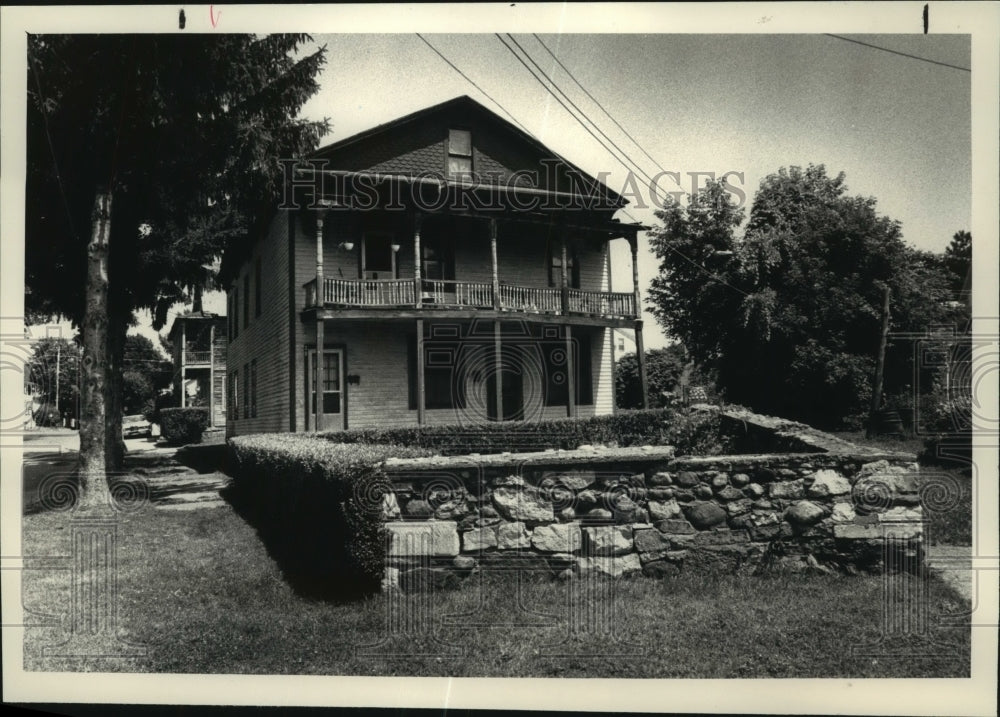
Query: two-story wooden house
pixel 443 268
pixel 199 343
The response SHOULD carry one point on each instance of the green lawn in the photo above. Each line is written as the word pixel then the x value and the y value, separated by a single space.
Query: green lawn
pixel 199 589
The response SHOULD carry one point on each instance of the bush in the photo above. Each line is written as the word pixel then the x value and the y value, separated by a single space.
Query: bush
pixel 690 433
pixel 164 400
pixel 318 506
pixel 181 426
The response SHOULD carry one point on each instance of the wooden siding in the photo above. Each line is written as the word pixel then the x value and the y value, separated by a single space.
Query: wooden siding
pixel 522 250
pixel 421 146
pixel 377 353
pixel 265 338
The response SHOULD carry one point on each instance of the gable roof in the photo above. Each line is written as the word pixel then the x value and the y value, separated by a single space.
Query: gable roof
pixel 463 103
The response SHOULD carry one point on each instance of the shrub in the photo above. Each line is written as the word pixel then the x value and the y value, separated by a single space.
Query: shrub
pixel 318 506
pixel 183 425
pixel 690 433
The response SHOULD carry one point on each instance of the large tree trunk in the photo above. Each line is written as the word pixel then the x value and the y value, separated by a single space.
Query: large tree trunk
pixel 119 318
pixel 94 492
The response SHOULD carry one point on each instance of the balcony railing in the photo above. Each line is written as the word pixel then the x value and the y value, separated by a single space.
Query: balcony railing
pixel 192 357
pixel 530 299
pixel 448 294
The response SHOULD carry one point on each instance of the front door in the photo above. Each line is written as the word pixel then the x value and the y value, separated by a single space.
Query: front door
pixel 511 389
pixel 326 386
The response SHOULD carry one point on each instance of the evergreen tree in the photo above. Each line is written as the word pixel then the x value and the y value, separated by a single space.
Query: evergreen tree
pixel 146 154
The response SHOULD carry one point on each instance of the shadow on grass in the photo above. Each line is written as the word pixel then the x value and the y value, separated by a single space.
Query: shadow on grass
pixel 203 458
pixel 308 548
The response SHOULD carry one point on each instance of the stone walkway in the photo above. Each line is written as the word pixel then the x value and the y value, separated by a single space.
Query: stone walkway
pixel 953 564
pixel 174 486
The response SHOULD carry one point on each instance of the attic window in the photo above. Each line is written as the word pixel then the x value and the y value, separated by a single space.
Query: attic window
pixel 459 153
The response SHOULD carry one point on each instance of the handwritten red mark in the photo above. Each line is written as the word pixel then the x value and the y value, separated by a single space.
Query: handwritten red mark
pixel 212 16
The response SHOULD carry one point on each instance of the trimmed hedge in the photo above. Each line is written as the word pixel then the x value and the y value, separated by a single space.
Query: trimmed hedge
pixel 690 432
pixel 183 425
pixel 317 505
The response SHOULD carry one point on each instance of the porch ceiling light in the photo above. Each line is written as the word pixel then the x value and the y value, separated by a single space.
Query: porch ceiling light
pixel 346 245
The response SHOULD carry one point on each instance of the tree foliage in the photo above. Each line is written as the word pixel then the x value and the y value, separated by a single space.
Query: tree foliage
pixel 146 373
pixel 958 261
pixel 788 309
pixel 52 358
pixel 667 370
pixel 185 133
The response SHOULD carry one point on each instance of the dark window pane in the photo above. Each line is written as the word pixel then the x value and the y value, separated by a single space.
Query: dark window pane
pixel 378 253
pixel 257 287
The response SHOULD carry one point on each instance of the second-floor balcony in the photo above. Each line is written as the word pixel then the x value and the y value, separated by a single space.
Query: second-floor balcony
pixel 436 294
pixel 197 357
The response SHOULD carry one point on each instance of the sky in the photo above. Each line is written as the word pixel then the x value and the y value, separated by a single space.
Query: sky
pixel 899 128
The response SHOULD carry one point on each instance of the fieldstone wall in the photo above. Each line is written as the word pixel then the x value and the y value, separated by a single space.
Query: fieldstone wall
pixel 631 510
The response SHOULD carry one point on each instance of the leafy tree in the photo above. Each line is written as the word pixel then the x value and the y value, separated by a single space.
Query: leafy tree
pixel 52 358
pixel 667 369
pixel 146 154
pixel 146 373
pixel 958 260
pixel 788 311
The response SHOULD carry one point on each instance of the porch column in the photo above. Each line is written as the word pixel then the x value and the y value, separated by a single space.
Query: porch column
pixel 320 289
pixel 498 370
pixel 563 276
pixel 417 262
pixel 640 352
pixel 421 400
pixel 570 375
pixel 211 374
pixel 320 339
pixel 493 256
pixel 183 364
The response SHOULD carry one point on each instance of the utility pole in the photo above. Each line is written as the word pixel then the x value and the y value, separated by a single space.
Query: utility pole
pixel 58 352
pixel 879 363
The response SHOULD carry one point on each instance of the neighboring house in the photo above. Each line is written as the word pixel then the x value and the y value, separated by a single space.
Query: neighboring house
pixel 624 342
pixel 200 344
pixel 442 281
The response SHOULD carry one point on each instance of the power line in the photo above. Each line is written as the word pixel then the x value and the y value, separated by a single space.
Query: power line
pixel 549 89
pixel 712 276
pixel 897 52
pixel 596 102
pixel 472 82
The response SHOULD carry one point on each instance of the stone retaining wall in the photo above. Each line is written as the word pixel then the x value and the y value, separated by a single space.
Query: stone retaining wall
pixel 642 510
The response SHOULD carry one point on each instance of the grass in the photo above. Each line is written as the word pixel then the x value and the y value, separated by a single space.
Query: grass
pixel 951 522
pixel 200 591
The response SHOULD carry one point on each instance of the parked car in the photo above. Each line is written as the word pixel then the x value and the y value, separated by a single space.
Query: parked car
pixel 136 426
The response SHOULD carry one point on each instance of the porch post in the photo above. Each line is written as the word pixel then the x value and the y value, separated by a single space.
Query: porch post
pixel 421 399
pixel 417 261
pixel 318 388
pixel 570 375
pixel 211 374
pixel 640 352
pixel 498 370
pixel 320 339
pixel 320 289
pixel 183 364
pixel 493 255
pixel 563 281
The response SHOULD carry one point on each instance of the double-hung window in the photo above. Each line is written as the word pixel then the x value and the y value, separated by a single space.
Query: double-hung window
pixel 459 154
